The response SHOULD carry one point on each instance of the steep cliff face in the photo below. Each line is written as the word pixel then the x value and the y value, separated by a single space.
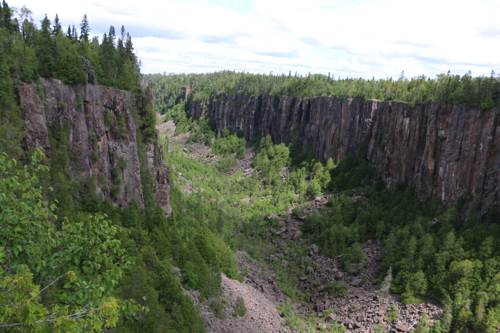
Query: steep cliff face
pixel 442 149
pixel 102 137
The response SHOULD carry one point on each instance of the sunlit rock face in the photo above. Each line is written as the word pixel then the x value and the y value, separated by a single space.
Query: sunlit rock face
pixel 442 149
pixel 102 131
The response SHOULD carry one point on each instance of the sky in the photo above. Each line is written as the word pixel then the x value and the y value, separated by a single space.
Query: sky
pixel 349 38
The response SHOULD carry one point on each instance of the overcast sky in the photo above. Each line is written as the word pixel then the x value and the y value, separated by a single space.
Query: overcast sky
pixel 354 38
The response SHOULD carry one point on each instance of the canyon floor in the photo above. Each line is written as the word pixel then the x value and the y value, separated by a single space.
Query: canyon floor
pixel 362 309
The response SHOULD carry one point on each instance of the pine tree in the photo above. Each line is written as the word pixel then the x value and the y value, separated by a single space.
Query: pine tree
pixel 129 49
pixel 112 35
pixel 7 17
pixel 46 51
pixel 74 34
pixel 84 29
pixel 56 27
pixel 106 62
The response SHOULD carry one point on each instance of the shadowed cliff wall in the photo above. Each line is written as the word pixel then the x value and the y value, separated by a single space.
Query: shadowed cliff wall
pixel 442 149
pixel 95 146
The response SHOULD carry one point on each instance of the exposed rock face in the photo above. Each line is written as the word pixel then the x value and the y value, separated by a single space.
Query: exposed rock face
pixel 95 145
pixel 442 149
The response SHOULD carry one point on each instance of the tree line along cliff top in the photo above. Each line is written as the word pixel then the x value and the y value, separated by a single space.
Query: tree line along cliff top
pixel 483 92
pixel 29 52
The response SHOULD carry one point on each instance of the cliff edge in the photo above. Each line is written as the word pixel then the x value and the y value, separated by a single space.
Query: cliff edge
pixel 102 129
pixel 443 149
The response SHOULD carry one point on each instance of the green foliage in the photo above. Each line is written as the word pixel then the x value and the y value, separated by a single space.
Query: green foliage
pixel 70 69
pixel 240 308
pixel 218 308
pixel 230 144
pixel 10 115
pixel 336 289
pixel 189 276
pixel 472 91
pixel 354 258
pixel 392 315
pixel 31 52
pixel 147 116
pixel 76 267
pixel 270 158
pixel 424 259
pixel 313 189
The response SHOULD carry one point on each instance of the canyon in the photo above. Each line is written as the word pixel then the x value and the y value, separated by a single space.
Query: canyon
pixel 443 149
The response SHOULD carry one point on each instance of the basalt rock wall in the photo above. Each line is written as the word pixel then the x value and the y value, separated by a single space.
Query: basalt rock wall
pixel 102 130
pixel 442 149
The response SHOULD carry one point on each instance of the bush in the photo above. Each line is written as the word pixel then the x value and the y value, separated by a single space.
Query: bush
pixel 240 309
pixel 336 289
pixel 392 315
pixel 218 309
pixel 296 211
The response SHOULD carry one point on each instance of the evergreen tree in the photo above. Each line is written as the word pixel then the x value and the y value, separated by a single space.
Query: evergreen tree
pixel 121 52
pixel 106 62
pixel 126 79
pixel 74 34
pixel 46 51
pixel 57 26
pixel 70 69
pixel 84 29
pixel 112 35
pixel 129 49
pixel 6 17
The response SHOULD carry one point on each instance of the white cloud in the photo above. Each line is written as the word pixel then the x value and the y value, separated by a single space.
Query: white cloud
pixel 356 38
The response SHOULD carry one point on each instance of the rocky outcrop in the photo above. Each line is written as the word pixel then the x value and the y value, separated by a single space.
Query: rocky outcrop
pixel 102 138
pixel 362 308
pixel 442 149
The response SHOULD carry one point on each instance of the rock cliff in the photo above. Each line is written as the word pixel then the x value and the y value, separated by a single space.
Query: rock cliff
pixel 442 149
pixel 102 139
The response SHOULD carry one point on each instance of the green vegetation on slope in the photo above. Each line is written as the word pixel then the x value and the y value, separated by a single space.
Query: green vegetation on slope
pixel 71 260
pixel 433 252
pixel 55 279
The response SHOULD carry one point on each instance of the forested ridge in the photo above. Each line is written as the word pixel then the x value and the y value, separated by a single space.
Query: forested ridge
pixel 483 92
pixel 70 260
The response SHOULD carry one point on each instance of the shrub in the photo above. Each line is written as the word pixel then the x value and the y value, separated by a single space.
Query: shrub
pixel 218 308
pixel 240 309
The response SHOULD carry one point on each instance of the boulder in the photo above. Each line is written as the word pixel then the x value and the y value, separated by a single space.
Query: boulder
pixel 297 235
pixel 330 317
pixel 400 327
pixel 356 282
